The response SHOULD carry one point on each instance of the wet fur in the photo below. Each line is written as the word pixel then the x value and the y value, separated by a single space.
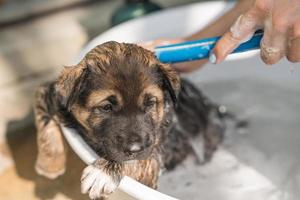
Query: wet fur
pixel 125 71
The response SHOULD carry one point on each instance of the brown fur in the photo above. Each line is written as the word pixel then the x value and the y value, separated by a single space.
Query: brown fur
pixel 99 61
pixel 119 96
pixel 97 96
pixel 145 171
pixel 51 149
pixel 157 95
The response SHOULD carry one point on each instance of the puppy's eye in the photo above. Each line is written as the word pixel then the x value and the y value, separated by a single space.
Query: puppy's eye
pixel 105 108
pixel 150 102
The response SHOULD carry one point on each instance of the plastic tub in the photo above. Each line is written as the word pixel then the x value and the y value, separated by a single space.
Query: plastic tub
pixel 260 164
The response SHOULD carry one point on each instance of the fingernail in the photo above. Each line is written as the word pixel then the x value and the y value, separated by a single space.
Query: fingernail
pixel 212 58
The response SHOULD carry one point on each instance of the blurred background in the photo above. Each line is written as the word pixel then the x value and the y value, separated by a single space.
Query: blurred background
pixel 37 38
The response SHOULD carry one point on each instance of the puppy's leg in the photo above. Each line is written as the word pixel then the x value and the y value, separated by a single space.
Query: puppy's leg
pixel 213 135
pixel 175 148
pixel 103 177
pixel 51 151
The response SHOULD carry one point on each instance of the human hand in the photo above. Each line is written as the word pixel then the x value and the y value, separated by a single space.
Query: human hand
pixel 150 45
pixel 280 20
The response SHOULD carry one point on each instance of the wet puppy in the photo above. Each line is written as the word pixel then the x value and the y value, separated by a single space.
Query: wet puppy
pixel 133 110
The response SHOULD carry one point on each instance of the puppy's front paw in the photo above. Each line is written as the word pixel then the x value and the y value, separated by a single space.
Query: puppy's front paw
pixel 99 182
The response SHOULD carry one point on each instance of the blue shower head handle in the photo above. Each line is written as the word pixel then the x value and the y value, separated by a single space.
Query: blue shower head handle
pixel 200 49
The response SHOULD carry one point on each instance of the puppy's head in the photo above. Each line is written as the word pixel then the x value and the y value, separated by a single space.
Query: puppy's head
pixel 122 96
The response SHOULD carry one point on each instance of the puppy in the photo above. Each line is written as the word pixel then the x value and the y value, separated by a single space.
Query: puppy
pixel 134 112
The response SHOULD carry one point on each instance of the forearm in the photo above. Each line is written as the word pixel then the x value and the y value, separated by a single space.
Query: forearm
pixel 223 23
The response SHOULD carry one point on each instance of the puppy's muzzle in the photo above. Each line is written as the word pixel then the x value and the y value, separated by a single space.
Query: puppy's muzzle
pixel 136 144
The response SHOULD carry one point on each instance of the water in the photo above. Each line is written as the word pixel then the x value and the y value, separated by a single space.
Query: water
pixel 261 163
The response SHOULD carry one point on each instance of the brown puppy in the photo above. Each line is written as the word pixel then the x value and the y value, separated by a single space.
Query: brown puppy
pixel 122 101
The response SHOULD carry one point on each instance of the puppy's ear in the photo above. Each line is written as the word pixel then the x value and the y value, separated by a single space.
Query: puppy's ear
pixel 69 84
pixel 170 80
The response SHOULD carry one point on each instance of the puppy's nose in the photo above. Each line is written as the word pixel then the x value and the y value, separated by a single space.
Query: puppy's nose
pixel 135 148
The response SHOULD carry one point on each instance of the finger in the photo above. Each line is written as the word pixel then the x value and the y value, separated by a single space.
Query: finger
pixel 241 31
pixel 274 42
pixel 293 51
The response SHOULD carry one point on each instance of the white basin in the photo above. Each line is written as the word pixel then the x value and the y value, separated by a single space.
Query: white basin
pixel 261 164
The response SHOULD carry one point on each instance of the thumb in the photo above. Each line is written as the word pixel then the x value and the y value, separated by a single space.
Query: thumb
pixel 241 31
